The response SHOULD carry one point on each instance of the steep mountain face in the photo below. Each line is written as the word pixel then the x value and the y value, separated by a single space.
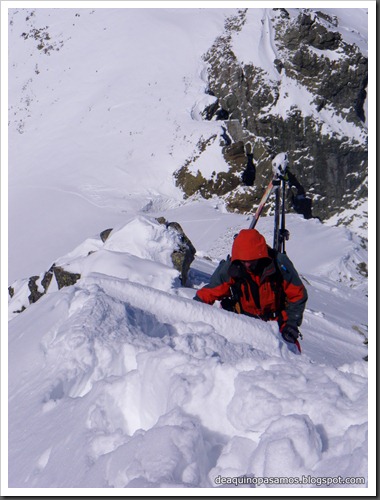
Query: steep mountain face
pixel 286 80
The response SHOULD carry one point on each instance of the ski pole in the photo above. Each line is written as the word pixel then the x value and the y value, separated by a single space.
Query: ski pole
pixel 276 232
pixel 284 233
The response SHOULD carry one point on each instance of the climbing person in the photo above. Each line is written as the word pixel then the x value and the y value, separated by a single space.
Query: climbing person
pixel 258 282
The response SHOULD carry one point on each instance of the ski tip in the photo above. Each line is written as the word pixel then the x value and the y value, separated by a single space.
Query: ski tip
pixel 280 164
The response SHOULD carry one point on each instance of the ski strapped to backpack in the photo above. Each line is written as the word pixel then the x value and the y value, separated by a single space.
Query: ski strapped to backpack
pixel 281 234
pixel 279 169
pixel 264 199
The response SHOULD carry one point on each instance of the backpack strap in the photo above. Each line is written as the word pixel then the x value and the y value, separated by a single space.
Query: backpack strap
pixel 277 278
pixel 243 282
pixel 249 283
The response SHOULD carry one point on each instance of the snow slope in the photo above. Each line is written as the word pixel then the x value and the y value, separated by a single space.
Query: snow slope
pixel 100 132
pixel 121 380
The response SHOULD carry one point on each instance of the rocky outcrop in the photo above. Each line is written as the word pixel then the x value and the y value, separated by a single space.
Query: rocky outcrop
pixel 104 235
pixel 64 278
pixel 36 287
pixel 183 256
pixel 331 167
pixel 35 293
pixel 30 290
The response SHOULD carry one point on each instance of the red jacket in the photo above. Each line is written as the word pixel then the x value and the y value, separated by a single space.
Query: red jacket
pixel 274 291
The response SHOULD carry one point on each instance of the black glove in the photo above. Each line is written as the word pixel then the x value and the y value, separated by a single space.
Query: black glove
pixel 290 333
pixel 228 304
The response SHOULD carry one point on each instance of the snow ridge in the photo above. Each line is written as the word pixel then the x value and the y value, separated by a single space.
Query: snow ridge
pixel 132 385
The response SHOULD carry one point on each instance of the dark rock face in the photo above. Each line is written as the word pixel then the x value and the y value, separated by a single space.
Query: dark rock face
pixel 330 167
